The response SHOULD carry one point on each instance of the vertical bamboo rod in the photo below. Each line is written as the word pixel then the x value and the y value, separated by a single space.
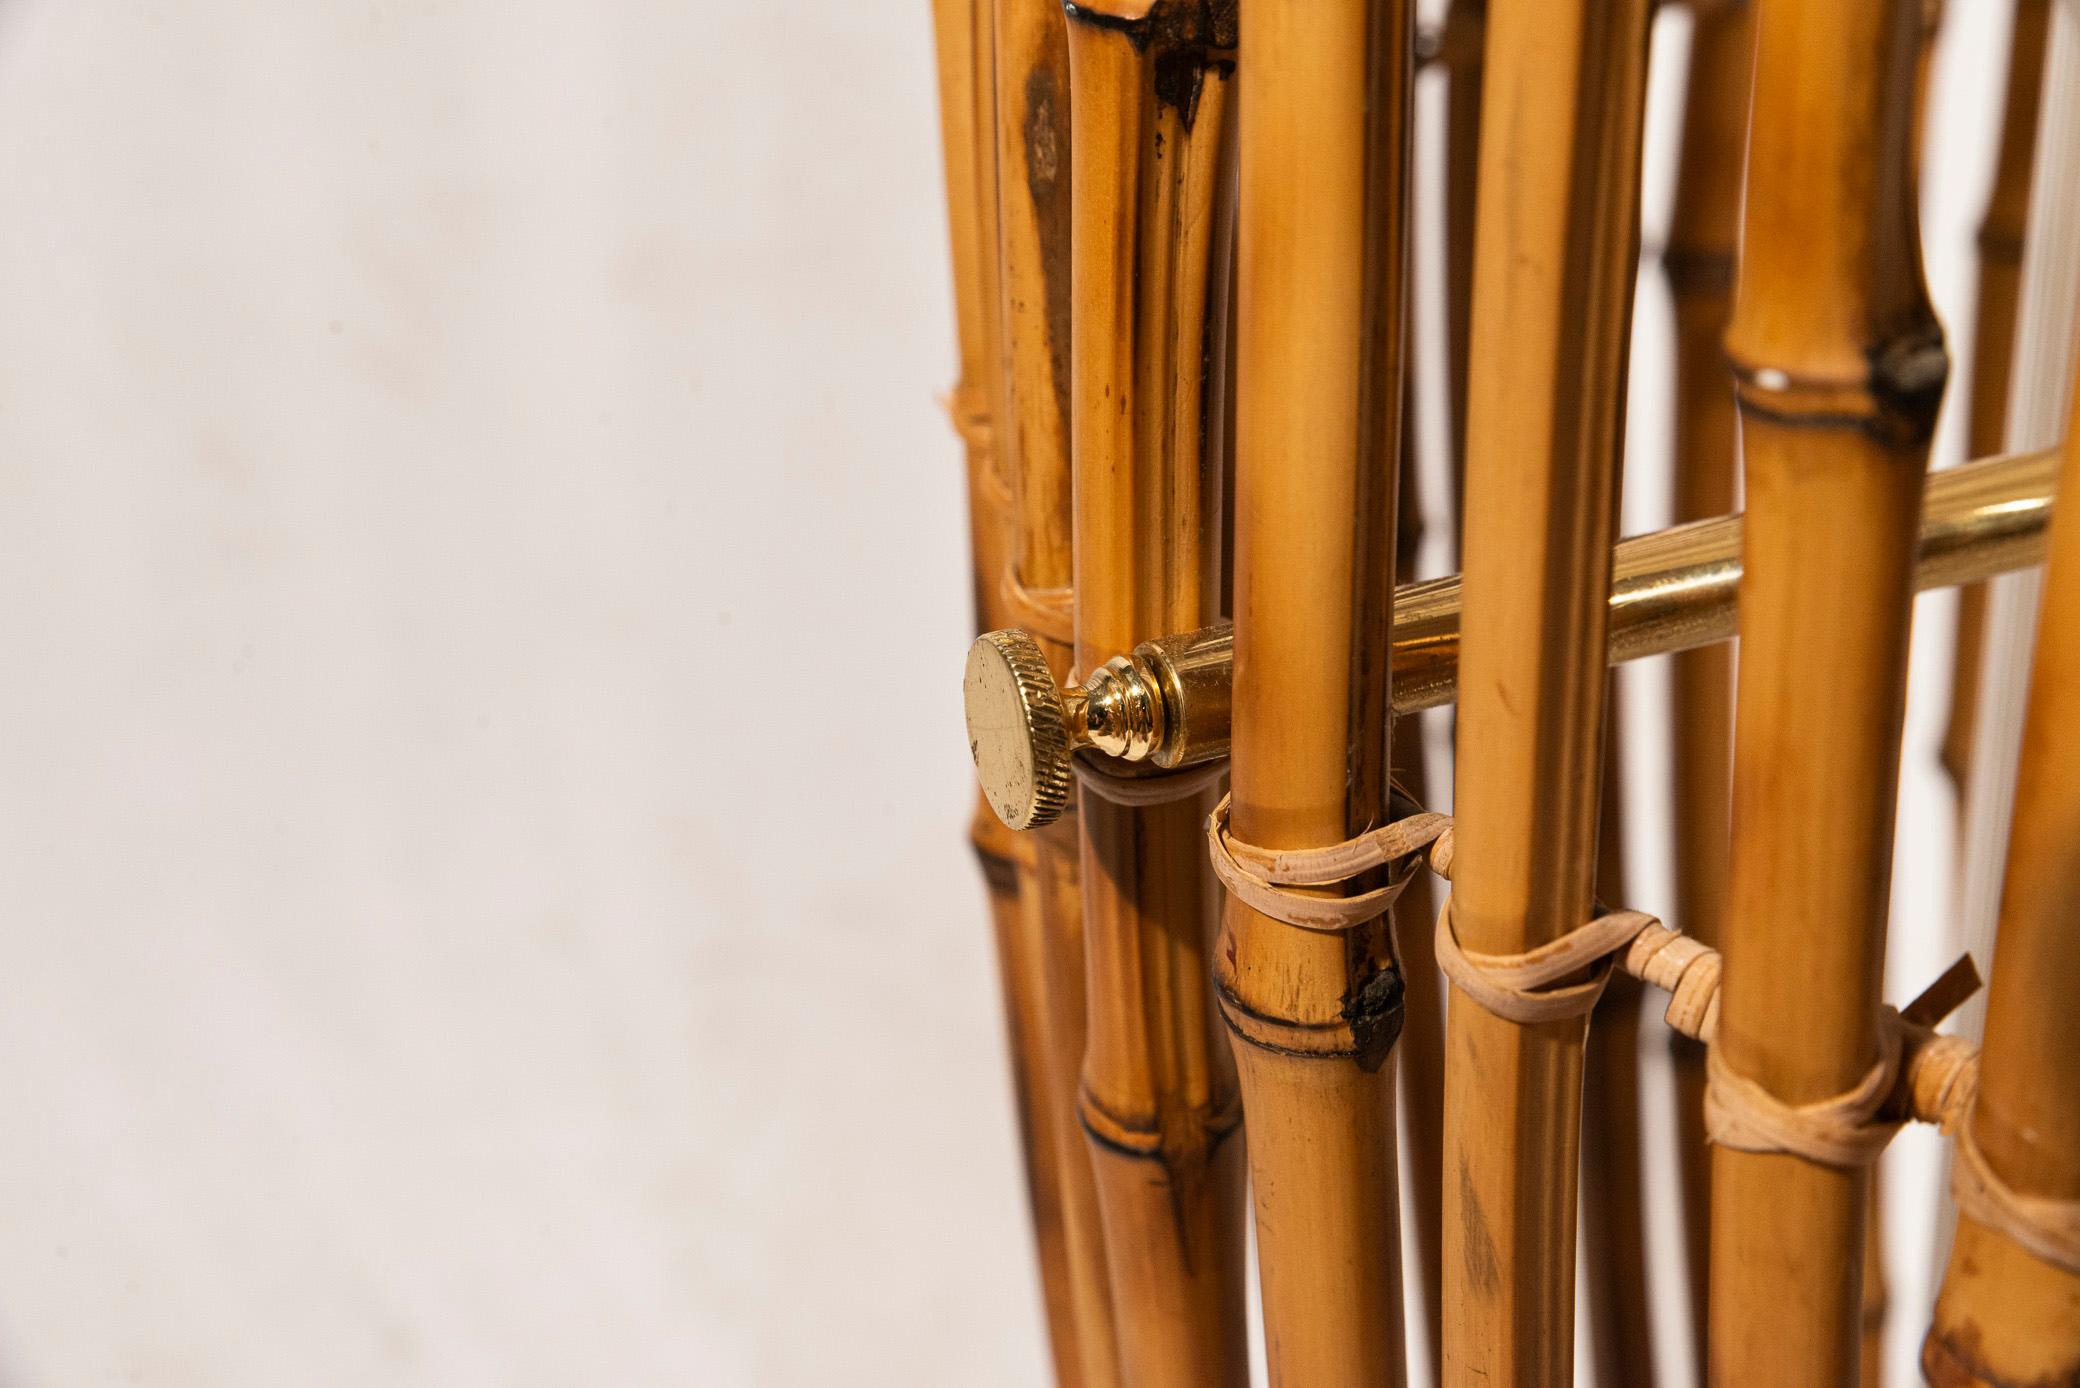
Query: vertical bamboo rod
pixel 1420 1076
pixel 1465 40
pixel 2004 1317
pixel 967 74
pixel 1030 124
pixel 1993 338
pixel 1840 367
pixel 1322 248
pixel 1554 264
pixel 1614 1234
pixel 1698 261
pixel 1148 109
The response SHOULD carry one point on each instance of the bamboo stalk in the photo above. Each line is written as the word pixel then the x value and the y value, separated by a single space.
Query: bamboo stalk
pixel 1465 37
pixel 1614 1235
pixel 2005 1318
pixel 1840 369
pixel 1322 248
pixel 1993 339
pixel 1148 108
pixel 1698 261
pixel 967 73
pixel 1554 272
pixel 1029 119
pixel 1421 1073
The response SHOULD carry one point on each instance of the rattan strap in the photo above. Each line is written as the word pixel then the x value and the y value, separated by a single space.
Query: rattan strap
pixel 1155 788
pixel 1277 882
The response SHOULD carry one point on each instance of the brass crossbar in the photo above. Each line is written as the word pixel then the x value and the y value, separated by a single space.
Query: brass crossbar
pixel 1671 590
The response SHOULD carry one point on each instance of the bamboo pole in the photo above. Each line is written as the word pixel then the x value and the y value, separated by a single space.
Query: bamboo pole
pixel 1320 379
pixel 1614 1234
pixel 1030 124
pixel 1148 108
pixel 1465 39
pixel 1698 261
pixel 1421 1073
pixel 967 73
pixel 2006 1317
pixel 1839 365
pixel 1993 339
pixel 1554 272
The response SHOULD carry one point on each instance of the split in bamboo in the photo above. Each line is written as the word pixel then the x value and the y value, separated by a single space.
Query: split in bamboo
pixel 2007 1316
pixel 1148 109
pixel 1320 378
pixel 1698 261
pixel 1840 367
pixel 1554 264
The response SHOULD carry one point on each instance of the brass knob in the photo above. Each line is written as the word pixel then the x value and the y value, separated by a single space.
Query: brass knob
pixel 1018 729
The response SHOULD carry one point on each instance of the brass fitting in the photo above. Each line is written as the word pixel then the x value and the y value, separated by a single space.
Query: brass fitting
pixel 1165 703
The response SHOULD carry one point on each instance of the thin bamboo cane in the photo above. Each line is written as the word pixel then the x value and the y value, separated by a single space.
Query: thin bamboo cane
pixel 2006 1318
pixel 1320 377
pixel 1698 261
pixel 1029 119
pixel 1465 38
pixel 1993 338
pixel 967 83
pixel 1421 1073
pixel 1614 1235
pixel 1840 368
pixel 1554 273
pixel 1877 1289
pixel 1148 98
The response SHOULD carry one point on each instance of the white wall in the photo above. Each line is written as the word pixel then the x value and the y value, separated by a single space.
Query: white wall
pixel 481 846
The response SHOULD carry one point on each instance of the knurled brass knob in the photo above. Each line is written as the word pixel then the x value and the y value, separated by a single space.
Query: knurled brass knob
pixel 1018 729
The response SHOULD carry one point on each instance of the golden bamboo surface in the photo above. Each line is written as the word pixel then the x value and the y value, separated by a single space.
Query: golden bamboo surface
pixel 1614 1235
pixel 1698 260
pixel 1993 337
pixel 1554 264
pixel 1421 1048
pixel 1029 123
pixel 963 31
pixel 1148 99
pixel 2007 1317
pixel 1840 369
pixel 1465 39
pixel 1321 257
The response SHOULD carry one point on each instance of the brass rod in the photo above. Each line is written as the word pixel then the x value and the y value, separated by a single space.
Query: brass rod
pixel 1671 590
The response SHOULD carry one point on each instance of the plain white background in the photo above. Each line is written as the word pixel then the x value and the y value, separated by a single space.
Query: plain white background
pixel 482 797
